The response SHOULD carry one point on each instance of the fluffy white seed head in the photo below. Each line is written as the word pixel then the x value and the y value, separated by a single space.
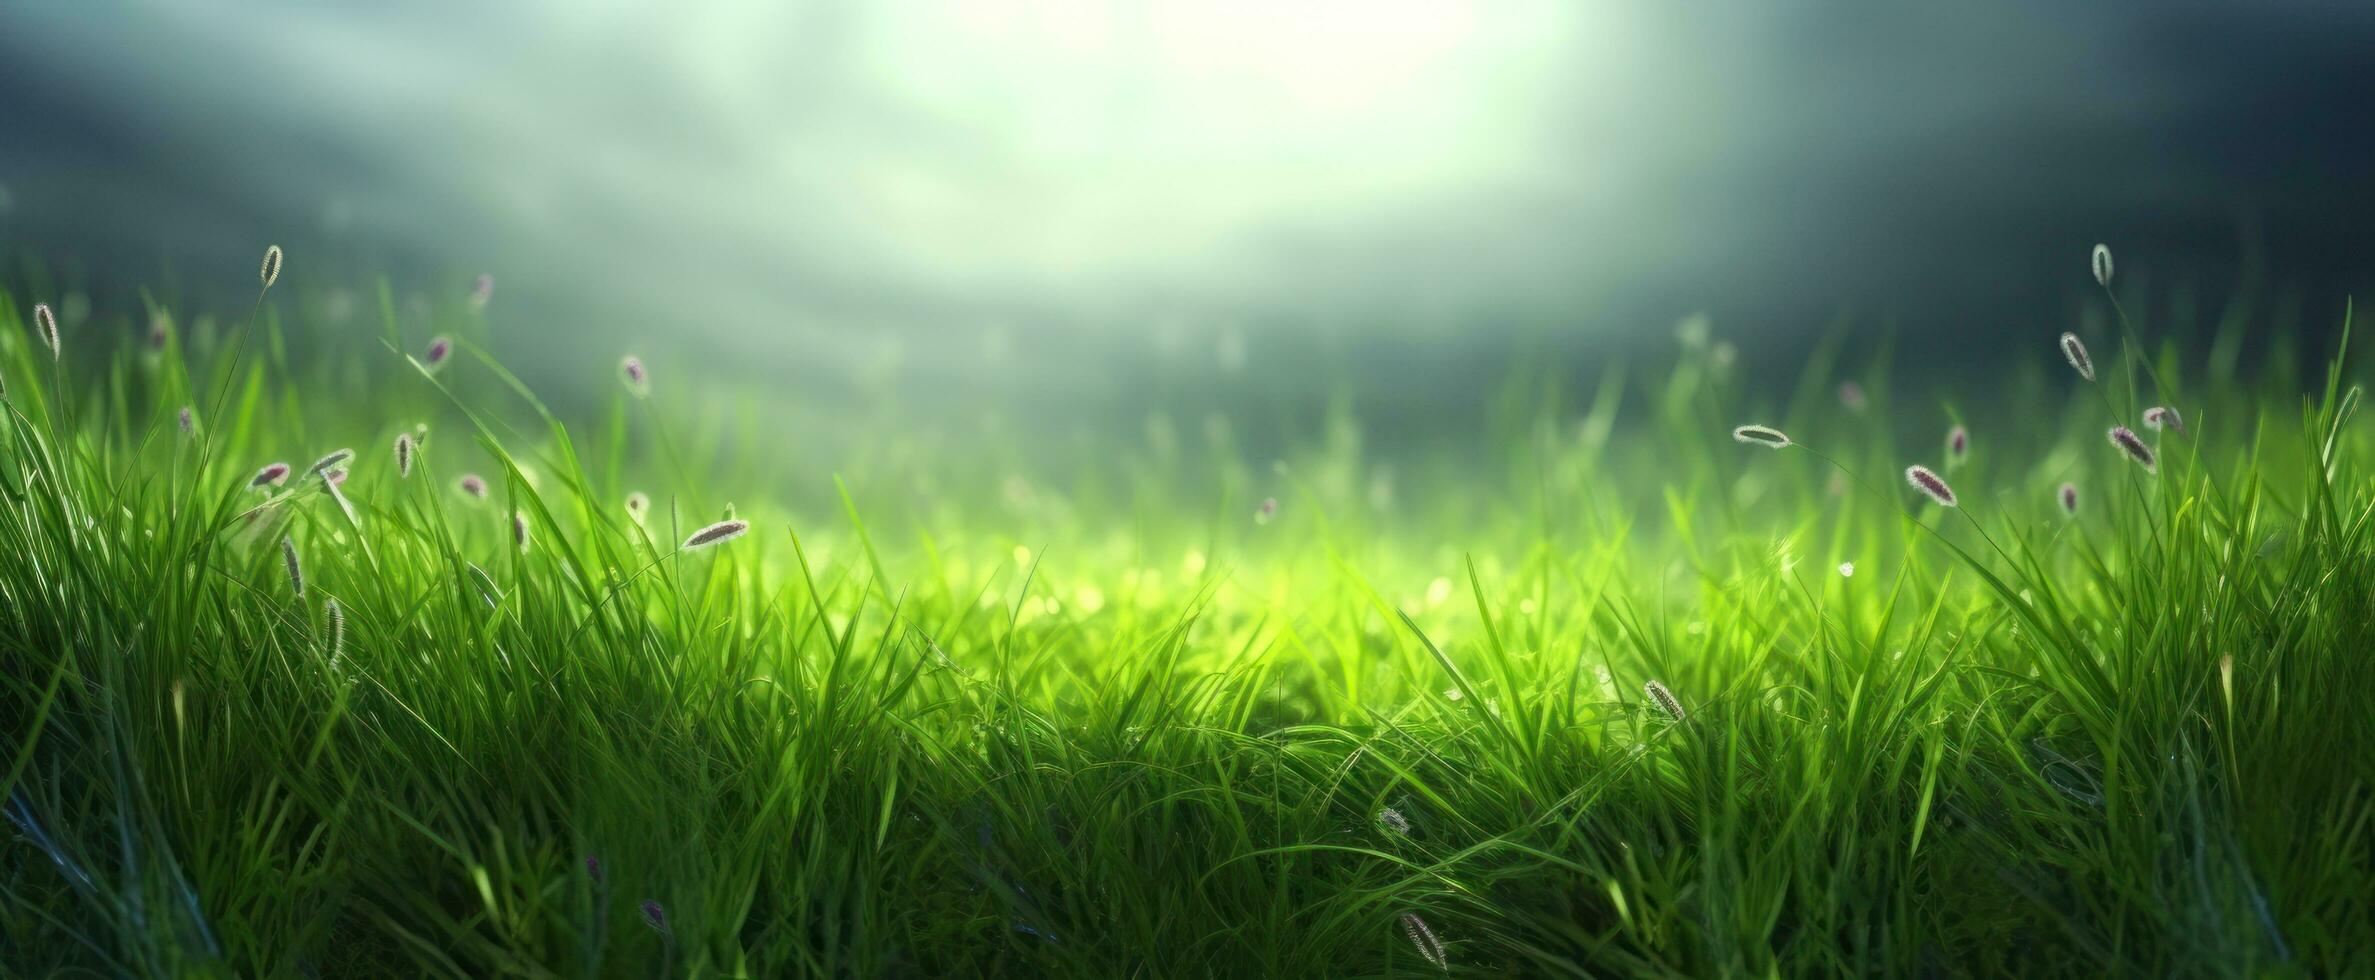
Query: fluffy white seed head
pixel 45 325
pixel 404 453
pixel 272 475
pixel 637 506
pixel 1664 699
pixel 440 348
pixel 2133 446
pixel 474 485
pixel 1761 435
pixel 2075 350
pixel 718 533
pixel 327 462
pixel 271 271
pixel 1930 485
pixel 2102 264
pixel 288 555
pixel 2162 416
pixel 1424 939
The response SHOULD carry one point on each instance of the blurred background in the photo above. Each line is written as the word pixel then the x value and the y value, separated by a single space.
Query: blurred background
pixel 1068 215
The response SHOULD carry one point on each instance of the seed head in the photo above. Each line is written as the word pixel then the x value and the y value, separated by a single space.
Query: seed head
pixel 471 484
pixel 288 554
pixel 45 324
pixel 271 266
pixel 1761 435
pixel 1424 938
pixel 1664 699
pixel 594 868
pixel 336 477
pixel 2102 264
pixel 482 290
pixel 637 506
pixel 519 531
pixel 718 533
pixel 2127 441
pixel 631 371
pixel 189 421
pixel 1393 820
pixel 2162 415
pixel 1847 569
pixel 2068 495
pixel 440 348
pixel 404 451
pixel 272 475
pixel 2073 349
pixel 1958 445
pixel 159 331
pixel 1930 485
pixel 1851 395
pixel 331 460
pixel 337 624
pixel 655 916
pixel 1268 510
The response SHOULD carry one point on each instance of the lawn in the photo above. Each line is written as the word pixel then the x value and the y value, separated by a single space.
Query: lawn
pixel 1622 694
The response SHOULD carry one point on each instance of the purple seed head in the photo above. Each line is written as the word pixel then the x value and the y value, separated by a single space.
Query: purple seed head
pixel 2160 416
pixel 1958 445
pixel 271 271
pixel 482 290
pixel 1761 435
pixel 2102 265
pixel 189 421
pixel 331 460
pixel 1424 939
pixel 336 477
pixel 655 916
pixel 718 533
pixel 1930 485
pixel 1851 395
pixel 637 379
pixel 2128 442
pixel 45 323
pixel 272 475
pixel 519 530
pixel 440 348
pixel 471 484
pixel 594 868
pixel 2075 350
pixel 2069 498
pixel 404 452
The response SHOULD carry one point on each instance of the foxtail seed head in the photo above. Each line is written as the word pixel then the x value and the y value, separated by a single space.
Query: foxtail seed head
pixel 440 348
pixel 638 380
pixel 45 324
pixel 519 530
pixel 331 460
pixel 1393 820
pixel 655 916
pixel 272 475
pixel 1761 435
pixel 637 506
pixel 2162 416
pixel 189 421
pixel 2102 264
pixel 2075 350
pixel 288 554
pixel 1664 699
pixel 337 626
pixel 404 453
pixel 1424 939
pixel 2068 495
pixel 2128 442
pixel 718 533
pixel 1958 445
pixel 473 485
pixel 482 290
pixel 271 271
pixel 1930 485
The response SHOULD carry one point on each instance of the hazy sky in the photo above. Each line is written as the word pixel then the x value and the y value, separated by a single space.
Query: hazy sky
pixel 1071 195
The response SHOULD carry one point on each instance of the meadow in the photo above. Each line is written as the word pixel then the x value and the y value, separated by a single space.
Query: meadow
pixel 1635 695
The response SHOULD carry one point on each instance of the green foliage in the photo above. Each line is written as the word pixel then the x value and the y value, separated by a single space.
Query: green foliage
pixel 1116 728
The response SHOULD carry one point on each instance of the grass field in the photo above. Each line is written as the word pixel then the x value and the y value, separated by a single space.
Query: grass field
pixel 1139 723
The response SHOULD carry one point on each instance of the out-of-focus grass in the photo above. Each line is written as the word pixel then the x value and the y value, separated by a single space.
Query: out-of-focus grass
pixel 969 723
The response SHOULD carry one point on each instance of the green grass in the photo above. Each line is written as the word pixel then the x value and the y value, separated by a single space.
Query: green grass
pixel 954 722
